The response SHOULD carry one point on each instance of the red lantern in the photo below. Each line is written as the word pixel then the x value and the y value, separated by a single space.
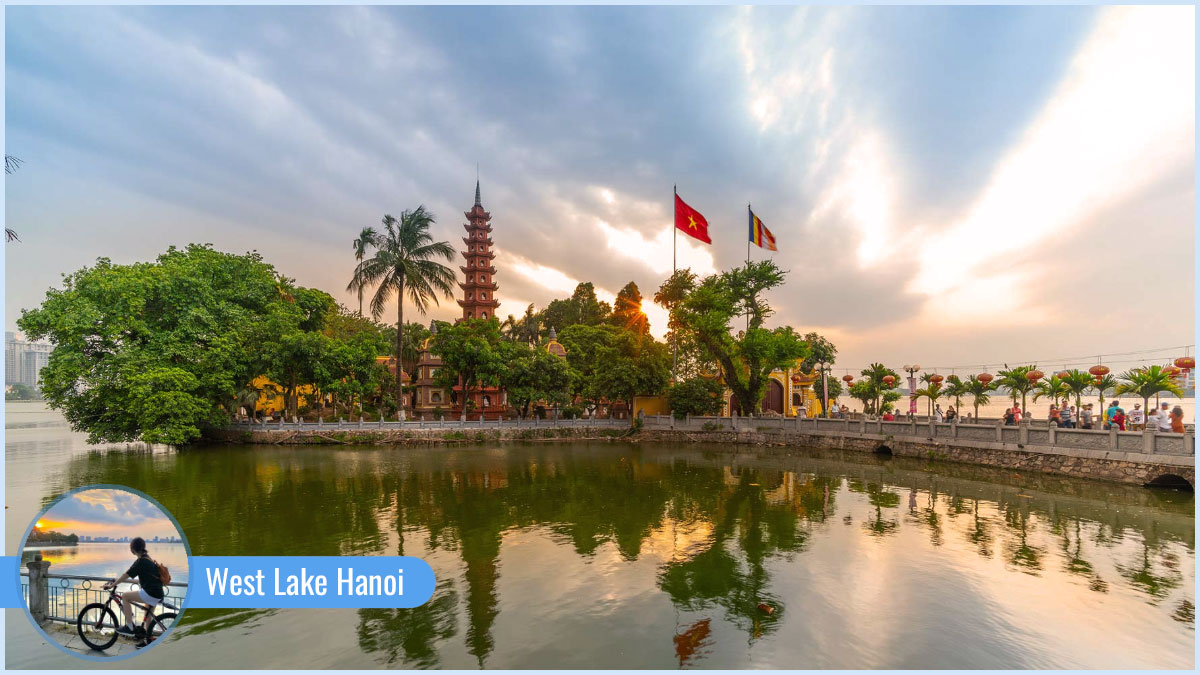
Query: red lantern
pixel 936 379
pixel 1173 371
pixel 796 380
pixel 848 378
pixel 1098 371
pixel 1034 375
pixel 888 380
pixel 985 377
pixel 1062 374
pixel 1186 363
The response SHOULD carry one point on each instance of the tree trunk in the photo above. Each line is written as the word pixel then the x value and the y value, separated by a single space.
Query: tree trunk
pixel 399 342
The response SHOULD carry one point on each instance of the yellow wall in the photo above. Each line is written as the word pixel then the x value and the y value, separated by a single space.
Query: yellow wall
pixel 651 405
pixel 268 400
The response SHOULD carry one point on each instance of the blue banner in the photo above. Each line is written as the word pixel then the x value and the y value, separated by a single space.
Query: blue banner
pixel 316 582
pixel 10 582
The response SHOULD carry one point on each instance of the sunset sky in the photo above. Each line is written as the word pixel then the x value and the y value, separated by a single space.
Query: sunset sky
pixel 103 512
pixel 947 185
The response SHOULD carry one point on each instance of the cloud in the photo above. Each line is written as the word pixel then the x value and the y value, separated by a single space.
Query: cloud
pixel 105 511
pixel 923 169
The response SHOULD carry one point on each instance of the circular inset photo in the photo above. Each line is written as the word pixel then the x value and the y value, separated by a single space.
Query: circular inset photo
pixel 104 572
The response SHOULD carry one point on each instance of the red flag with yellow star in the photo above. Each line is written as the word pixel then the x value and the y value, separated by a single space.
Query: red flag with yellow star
pixel 690 221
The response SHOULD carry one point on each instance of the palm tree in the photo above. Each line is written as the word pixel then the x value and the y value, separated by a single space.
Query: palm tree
pixel 1146 382
pixel 1052 387
pixel 11 164
pixel 1105 383
pixel 1076 383
pixel 978 390
pixel 530 327
pixel 366 239
pixel 510 328
pixel 955 388
pixel 404 264
pixel 1015 381
pixel 874 375
pixel 932 391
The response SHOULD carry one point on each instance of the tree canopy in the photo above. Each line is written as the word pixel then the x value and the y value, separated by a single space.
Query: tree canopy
pixel 706 312
pixel 155 351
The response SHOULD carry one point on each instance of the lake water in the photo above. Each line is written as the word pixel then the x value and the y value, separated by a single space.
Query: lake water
pixel 625 556
pixel 108 560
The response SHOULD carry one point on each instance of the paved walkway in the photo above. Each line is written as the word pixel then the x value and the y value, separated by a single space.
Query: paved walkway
pixel 65 635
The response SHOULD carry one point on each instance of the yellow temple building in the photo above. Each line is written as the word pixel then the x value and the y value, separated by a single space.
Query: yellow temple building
pixel 788 392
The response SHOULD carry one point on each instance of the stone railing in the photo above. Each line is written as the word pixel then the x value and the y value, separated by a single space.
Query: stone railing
pixel 1148 442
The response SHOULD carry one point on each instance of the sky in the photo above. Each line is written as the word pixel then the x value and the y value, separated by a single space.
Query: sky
pixel 950 186
pixel 103 512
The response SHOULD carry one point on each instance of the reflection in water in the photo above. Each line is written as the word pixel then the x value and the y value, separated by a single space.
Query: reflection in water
pixel 668 556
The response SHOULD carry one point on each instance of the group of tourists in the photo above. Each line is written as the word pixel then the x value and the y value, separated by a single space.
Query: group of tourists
pixel 1163 418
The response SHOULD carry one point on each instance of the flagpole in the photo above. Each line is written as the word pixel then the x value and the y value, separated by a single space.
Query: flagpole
pixel 750 221
pixel 674 239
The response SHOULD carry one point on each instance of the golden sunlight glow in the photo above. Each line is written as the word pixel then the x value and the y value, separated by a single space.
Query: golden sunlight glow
pixel 1122 118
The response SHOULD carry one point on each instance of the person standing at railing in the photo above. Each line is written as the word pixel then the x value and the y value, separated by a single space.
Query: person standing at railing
pixel 150 587
pixel 1177 420
pixel 1085 416
pixel 1163 418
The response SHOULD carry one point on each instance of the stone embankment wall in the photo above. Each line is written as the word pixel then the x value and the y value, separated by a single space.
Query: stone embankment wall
pixel 1122 467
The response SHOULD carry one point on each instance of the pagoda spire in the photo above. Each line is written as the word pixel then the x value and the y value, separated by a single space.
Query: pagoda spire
pixel 477 200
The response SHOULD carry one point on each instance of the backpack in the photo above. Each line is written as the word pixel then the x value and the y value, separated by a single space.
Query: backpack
pixel 164 574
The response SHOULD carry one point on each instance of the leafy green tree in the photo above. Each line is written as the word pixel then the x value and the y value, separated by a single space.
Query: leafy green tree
pixel 979 391
pixel 707 310
pixel 470 355
pixel 627 311
pixel 1147 382
pixel 581 308
pixel 688 358
pixel 347 368
pixel 835 389
pixel 632 364
pixel 695 396
pixel 531 374
pixel 820 350
pixel 358 283
pixel 157 351
pixel 1014 380
pixel 864 392
pixel 585 349
pixel 405 264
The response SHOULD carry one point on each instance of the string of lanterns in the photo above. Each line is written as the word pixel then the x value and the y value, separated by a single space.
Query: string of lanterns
pixel 1183 365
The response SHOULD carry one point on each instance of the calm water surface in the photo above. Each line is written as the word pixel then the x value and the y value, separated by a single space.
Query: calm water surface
pixel 107 559
pixel 614 555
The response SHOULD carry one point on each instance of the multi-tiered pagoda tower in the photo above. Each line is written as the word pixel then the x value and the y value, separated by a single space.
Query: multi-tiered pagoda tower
pixel 479 291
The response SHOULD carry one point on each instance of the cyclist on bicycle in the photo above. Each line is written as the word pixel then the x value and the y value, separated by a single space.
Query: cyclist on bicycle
pixel 150 592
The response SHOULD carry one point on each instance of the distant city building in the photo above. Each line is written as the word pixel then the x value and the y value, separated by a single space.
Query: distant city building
pixel 23 361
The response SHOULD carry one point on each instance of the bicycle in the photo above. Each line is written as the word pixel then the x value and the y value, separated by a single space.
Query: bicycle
pixel 97 623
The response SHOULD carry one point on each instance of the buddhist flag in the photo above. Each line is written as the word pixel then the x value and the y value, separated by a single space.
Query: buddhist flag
pixel 690 221
pixel 760 236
